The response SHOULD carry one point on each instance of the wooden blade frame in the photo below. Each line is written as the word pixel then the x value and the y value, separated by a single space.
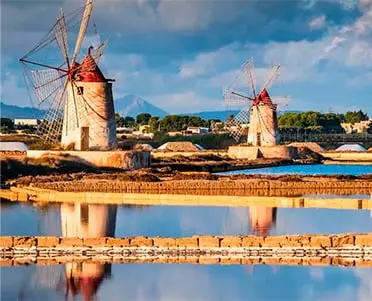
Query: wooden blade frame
pixel 83 29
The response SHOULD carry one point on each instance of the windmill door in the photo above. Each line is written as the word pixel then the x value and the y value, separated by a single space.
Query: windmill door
pixel 258 139
pixel 84 138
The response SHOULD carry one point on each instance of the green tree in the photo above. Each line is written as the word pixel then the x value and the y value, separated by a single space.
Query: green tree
pixel 178 123
pixel 154 124
pixel 6 125
pixel 331 122
pixel 355 116
pixel 129 121
pixel 143 118
pixel 311 120
pixel 119 121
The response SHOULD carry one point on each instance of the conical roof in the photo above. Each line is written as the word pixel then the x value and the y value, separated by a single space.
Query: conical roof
pixel 89 71
pixel 263 97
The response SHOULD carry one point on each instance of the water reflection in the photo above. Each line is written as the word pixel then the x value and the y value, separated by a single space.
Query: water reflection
pixel 262 219
pixel 157 282
pixel 86 221
pixel 214 282
pixel 175 221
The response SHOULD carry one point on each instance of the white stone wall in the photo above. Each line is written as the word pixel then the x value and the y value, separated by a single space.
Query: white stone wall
pixel 94 108
pixel 253 152
pixel 263 123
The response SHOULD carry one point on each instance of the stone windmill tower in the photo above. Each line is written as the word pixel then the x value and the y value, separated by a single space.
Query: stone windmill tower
pixel 262 111
pixel 77 96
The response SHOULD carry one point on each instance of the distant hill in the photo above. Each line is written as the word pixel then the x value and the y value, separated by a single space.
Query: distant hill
pixel 129 105
pixel 132 105
pixel 221 115
pixel 224 115
pixel 11 111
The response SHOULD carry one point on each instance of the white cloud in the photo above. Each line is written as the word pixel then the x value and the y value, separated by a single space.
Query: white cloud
pixel 318 22
pixel 360 54
pixel 298 59
pixel 171 16
pixel 210 62
pixel 185 102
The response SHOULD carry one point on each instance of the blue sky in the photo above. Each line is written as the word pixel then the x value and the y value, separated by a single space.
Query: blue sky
pixel 179 55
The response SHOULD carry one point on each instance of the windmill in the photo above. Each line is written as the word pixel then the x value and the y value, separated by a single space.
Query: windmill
pixel 260 109
pixel 77 97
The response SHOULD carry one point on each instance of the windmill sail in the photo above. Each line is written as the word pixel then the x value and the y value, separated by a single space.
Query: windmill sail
pixel 60 31
pixel 77 97
pixel 259 109
pixel 83 29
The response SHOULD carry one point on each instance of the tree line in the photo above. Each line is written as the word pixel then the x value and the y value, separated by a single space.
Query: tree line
pixel 169 123
pixel 310 120
pixel 322 122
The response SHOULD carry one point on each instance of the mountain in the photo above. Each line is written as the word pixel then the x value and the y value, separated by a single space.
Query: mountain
pixel 132 105
pixel 10 111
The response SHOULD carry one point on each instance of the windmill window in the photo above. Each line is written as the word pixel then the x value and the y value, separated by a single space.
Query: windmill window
pixel 80 90
pixel 84 214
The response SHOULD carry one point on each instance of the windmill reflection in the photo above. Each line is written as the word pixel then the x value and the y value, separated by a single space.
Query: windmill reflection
pixel 262 219
pixel 86 221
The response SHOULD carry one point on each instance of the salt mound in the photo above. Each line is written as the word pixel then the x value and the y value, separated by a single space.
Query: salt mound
pixel 315 147
pixel 182 146
pixel 13 146
pixel 351 148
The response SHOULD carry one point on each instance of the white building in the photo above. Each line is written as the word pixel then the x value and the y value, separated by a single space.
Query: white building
pixel 197 130
pixel 26 121
pixel 359 127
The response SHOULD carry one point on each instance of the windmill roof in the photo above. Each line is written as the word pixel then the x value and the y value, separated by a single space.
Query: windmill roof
pixel 89 71
pixel 263 97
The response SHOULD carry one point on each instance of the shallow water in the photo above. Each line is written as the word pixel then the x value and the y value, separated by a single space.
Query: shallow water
pixel 316 169
pixel 174 221
pixel 182 281
pixel 13 146
pixel 195 282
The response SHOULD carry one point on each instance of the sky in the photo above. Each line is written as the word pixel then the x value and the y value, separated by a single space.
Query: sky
pixel 179 55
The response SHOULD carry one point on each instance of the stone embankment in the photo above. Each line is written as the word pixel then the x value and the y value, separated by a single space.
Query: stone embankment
pixel 343 249
pixel 207 186
pixel 341 157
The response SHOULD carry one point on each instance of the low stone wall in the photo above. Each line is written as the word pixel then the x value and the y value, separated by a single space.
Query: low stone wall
pixel 254 152
pixel 9 243
pixel 107 159
pixel 348 156
pixel 242 187
pixel 158 154
pixel 345 249
pixel 13 155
